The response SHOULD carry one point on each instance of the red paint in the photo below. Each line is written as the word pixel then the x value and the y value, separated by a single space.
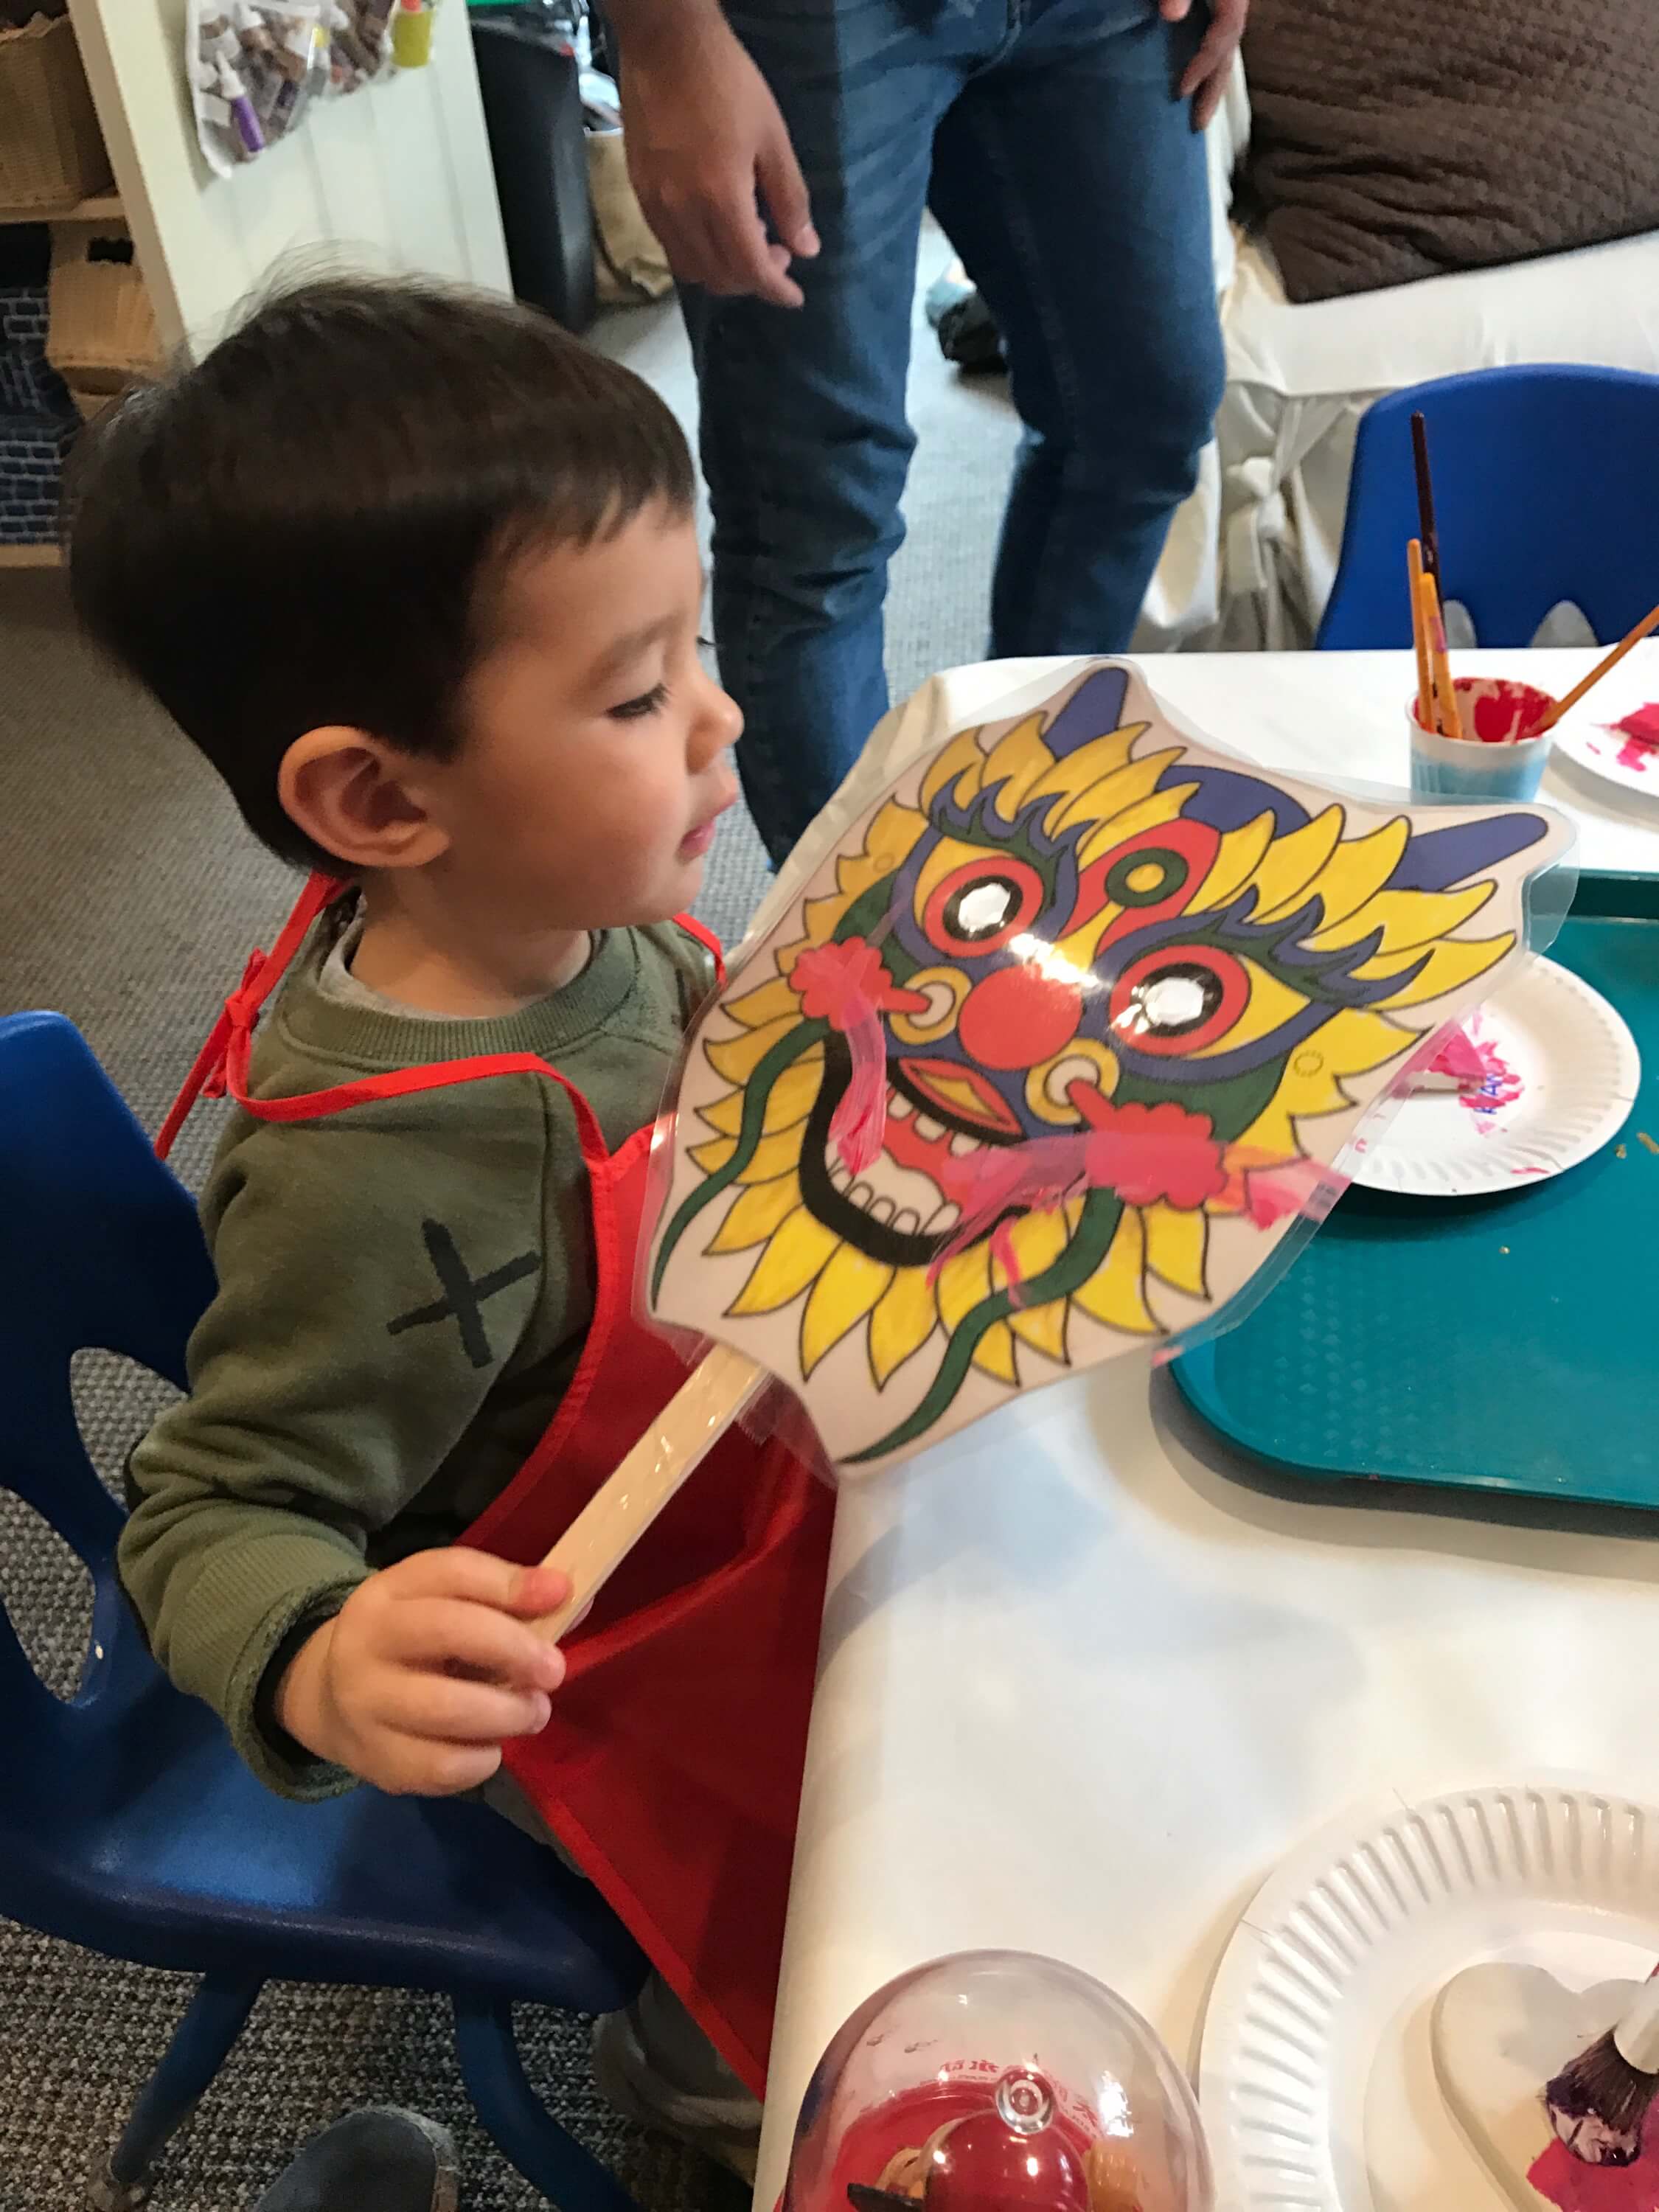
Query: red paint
pixel 943 923
pixel 1016 1017
pixel 959 2102
pixel 1146 1153
pixel 1640 731
pixel 844 982
pixel 1272 1194
pixel 1471 1056
pixel 1573 2186
pixel 1143 1153
pixel 1460 1058
pixel 1498 711
pixel 847 984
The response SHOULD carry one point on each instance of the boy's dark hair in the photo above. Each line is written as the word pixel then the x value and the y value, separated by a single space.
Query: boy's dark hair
pixel 312 525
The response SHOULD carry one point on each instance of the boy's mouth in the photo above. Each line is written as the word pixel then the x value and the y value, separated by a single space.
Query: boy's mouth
pixel 697 843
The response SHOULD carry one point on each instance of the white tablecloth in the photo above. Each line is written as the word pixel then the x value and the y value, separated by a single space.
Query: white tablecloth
pixel 1081 1689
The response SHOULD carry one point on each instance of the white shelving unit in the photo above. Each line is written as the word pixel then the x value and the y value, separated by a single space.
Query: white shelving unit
pixel 396 177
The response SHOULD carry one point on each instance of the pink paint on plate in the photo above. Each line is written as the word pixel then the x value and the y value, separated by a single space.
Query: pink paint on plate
pixel 1567 2183
pixel 1640 731
pixel 1470 1056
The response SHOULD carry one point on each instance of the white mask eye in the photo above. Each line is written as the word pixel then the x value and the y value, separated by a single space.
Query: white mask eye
pixel 983 910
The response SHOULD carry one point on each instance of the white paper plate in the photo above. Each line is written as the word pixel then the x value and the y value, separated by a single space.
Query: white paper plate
pixel 1573 1069
pixel 1606 753
pixel 1315 2079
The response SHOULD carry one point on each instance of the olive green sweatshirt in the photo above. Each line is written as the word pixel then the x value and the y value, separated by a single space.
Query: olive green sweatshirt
pixel 404 1290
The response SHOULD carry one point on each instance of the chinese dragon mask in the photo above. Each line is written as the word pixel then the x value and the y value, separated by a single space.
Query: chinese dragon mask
pixel 1062 1039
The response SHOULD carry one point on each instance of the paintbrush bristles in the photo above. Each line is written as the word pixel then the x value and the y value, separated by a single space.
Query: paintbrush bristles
pixel 1427 531
pixel 1598 2103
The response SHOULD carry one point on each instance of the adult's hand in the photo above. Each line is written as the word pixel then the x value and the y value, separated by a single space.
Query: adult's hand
pixel 709 151
pixel 1205 81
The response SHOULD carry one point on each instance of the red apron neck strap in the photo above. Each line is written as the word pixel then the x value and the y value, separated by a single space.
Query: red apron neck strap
pixel 707 939
pixel 259 979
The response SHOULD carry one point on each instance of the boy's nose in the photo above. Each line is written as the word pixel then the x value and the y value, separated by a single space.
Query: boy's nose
pixel 721 724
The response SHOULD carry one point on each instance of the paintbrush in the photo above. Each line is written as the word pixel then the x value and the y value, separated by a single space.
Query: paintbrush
pixel 1648 623
pixel 1431 536
pixel 1450 722
pixel 1419 635
pixel 1597 2104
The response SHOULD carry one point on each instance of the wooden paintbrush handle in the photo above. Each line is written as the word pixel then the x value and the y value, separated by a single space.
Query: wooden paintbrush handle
pixel 618 1514
pixel 1419 635
pixel 1645 627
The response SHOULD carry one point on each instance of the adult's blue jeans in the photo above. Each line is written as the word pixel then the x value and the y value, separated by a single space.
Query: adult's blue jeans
pixel 1048 137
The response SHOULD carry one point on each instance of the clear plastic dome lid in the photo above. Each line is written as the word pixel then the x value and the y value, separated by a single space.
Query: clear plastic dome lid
pixel 998 2082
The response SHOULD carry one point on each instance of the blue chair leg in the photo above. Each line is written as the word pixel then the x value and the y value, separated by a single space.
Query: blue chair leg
pixel 555 2162
pixel 201 2042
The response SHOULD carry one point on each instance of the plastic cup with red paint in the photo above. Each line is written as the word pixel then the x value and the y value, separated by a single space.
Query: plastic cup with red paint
pixel 1495 758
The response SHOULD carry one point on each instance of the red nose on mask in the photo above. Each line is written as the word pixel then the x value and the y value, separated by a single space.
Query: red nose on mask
pixel 1016 1017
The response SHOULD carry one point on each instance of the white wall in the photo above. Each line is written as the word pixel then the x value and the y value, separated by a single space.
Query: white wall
pixel 395 176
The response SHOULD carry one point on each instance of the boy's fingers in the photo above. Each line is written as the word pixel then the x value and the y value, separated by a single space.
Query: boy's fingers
pixel 481 1579
pixel 449 1634
pixel 539 1591
pixel 439 1709
pixel 413 1766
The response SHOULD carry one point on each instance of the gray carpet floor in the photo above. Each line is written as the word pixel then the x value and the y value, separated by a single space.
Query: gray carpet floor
pixel 129 893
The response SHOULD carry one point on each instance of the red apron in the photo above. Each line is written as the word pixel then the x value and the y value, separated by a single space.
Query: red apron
pixel 671 1768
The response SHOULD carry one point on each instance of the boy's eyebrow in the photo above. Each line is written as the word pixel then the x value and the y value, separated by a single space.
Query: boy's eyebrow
pixel 618 655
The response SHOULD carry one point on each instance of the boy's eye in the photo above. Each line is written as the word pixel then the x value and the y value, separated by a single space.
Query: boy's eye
pixel 648 703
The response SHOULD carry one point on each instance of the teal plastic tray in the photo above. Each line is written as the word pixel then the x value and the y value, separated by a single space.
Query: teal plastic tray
pixel 1499 1344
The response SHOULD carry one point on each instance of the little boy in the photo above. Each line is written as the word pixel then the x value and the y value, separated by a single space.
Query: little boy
pixel 417 573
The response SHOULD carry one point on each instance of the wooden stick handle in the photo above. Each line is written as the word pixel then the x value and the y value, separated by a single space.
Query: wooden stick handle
pixel 618 1514
pixel 1648 623
pixel 1451 722
pixel 1419 636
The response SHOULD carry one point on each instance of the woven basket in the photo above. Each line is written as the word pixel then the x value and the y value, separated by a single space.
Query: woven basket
pixel 52 151
pixel 102 330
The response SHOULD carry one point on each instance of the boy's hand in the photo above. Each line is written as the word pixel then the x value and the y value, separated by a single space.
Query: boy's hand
pixel 424 1671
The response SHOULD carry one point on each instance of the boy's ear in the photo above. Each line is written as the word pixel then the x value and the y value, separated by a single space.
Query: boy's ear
pixel 360 799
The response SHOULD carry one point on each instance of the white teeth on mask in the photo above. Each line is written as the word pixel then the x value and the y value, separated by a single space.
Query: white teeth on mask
pixel 881 1210
pixel 946 1218
pixel 861 1194
pixel 928 1128
pixel 962 1144
pixel 898 1106
pixel 908 1222
pixel 840 1174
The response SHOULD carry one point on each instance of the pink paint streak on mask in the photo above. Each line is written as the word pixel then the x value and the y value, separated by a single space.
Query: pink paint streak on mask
pixel 1147 1155
pixel 860 1122
pixel 847 984
pixel 1573 2186
pixel 1640 731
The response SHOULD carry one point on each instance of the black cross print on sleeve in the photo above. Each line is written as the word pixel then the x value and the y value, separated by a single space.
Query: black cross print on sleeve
pixel 463 1293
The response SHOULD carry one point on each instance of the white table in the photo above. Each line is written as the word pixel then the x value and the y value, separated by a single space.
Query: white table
pixel 1081 1689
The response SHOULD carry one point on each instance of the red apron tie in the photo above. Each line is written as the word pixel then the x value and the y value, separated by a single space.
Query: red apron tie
pixel 671 1767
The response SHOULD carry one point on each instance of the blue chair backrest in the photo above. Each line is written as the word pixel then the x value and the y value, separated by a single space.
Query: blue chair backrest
pixel 100 1247
pixel 1547 488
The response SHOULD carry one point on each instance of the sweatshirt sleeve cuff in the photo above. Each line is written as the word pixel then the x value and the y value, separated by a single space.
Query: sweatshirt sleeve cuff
pixel 275 1591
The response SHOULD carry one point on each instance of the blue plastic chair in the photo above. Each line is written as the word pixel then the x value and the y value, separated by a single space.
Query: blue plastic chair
pixel 1546 488
pixel 127 1823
